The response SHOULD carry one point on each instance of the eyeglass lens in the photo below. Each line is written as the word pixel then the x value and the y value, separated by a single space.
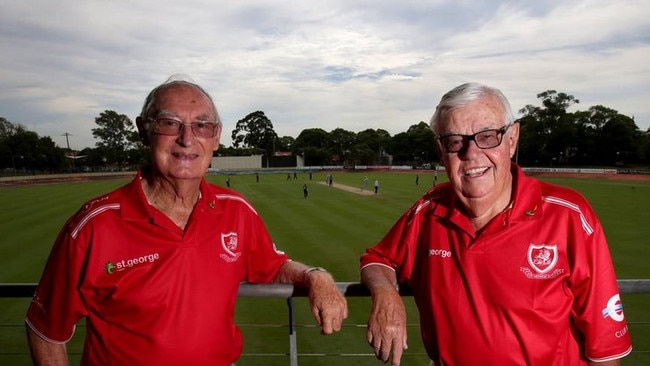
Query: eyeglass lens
pixel 484 140
pixel 169 126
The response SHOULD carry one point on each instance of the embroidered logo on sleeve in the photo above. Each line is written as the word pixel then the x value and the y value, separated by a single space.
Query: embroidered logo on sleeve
pixel 614 309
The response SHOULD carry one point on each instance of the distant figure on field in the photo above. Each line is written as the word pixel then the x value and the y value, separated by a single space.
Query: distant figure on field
pixel 376 186
pixel 228 182
pixel 305 190
pixel 417 179
pixel 435 175
pixel 366 181
pixel 257 177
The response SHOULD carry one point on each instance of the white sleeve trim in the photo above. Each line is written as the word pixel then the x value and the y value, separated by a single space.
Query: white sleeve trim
pixel 46 339
pixel 611 358
pixel 377 264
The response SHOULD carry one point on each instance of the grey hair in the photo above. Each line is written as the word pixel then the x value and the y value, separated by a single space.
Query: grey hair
pixel 465 94
pixel 175 79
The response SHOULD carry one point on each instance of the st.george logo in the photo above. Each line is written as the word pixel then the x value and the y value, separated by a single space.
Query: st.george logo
pixel 230 245
pixel 542 258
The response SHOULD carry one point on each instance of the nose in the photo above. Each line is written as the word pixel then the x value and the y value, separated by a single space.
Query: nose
pixel 186 135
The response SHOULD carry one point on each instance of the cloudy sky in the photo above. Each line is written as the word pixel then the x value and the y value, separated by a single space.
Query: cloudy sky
pixel 354 64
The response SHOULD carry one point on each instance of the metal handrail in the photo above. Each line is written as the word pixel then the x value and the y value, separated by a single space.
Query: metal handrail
pixel 349 289
pixel 288 291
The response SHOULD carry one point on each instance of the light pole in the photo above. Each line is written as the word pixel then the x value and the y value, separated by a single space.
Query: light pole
pixel 67 141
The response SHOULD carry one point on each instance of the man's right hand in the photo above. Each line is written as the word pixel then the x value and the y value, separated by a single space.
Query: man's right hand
pixel 387 323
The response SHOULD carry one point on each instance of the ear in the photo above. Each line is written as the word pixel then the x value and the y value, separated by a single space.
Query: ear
pixel 513 138
pixel 217 138
pixel 142 131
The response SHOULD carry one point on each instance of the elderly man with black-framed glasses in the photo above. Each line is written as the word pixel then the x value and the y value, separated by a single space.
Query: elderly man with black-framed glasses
pixel 505 269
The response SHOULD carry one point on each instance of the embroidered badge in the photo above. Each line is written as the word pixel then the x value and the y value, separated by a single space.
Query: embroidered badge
pixel 230 245
pixel 542 258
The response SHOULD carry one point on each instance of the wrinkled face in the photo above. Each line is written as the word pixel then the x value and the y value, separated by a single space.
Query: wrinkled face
pixel 185 156
pixel 479 175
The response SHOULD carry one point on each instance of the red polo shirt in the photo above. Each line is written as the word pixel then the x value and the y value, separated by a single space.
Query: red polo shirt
pixel 536 286
pixel 152 293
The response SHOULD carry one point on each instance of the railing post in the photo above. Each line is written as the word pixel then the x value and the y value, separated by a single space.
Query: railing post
pixel 293 343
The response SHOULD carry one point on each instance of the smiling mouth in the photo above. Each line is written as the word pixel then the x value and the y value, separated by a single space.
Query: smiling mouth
pixel 182 156
pixel 475 172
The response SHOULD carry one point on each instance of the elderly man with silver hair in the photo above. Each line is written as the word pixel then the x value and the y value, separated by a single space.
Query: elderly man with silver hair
pixel 505 269
pixel 154 266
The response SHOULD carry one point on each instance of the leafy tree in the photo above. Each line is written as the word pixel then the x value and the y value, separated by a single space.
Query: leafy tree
pixel 423 142
pixel 139 154
pixel 643 149
pixel 401 148
pixel 362 154
pixel 548 133
pixel 621 136
pixel 6 128
pixel 116 133
pixel 312 143
pixel 95 158
pixel 23 150
pixel 284 143
pixel 23 146
pixel 255 130
pixel 377 141
pixel 340 143
pixel 606 137
pixel 415 146
pixel 51 158
pixel 310 137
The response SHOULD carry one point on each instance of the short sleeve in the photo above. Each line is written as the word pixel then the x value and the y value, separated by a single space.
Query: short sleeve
pixel 57 305
pixel 264 258
pixel 598 308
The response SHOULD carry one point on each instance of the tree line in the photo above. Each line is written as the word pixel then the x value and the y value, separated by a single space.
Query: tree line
pixel 550 136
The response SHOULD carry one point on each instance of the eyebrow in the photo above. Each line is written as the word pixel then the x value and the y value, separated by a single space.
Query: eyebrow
pixel 202 117
pixel 462 134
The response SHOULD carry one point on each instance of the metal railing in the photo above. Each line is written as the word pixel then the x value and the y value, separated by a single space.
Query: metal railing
pixel 349 289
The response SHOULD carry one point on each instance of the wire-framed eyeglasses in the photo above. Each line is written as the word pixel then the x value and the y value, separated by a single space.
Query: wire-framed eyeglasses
pixel 486 139
pixel 173 127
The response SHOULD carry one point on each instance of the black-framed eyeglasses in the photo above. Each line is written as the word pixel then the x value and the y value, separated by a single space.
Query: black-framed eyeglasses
pixel 174 127
pixel 486 139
